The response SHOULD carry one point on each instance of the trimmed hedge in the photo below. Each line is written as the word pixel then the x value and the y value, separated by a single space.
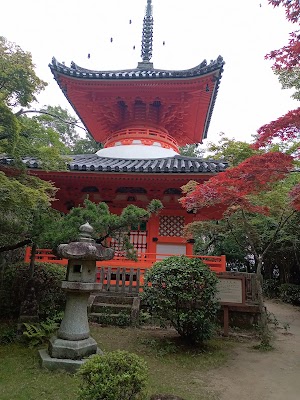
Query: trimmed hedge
pixel 118 375
pixel 182 291
pixel 46 282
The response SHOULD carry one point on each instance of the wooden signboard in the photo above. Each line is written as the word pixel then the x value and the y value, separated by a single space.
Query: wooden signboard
pixel 231 292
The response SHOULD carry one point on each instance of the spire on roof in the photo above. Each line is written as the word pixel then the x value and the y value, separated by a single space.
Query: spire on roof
pixel 147 37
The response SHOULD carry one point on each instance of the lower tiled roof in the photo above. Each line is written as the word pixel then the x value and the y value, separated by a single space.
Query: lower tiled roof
pixel 94 163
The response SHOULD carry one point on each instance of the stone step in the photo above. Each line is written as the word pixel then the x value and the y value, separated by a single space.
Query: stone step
pixel 113 299
pixel 110 319
pixel 109 307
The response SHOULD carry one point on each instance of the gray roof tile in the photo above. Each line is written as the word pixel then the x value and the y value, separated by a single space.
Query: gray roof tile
pixel 79 72
pixel 93 163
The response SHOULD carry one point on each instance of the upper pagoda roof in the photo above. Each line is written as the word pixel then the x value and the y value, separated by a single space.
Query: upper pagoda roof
pixel 180 101
pixel 143 71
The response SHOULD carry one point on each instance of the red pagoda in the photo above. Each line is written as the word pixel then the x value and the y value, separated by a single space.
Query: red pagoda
pixel 141 116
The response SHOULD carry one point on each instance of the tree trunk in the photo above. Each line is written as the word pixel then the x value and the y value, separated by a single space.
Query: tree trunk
pixel 29 305
pixel 32 260
pixel 264 329
pixel 2 266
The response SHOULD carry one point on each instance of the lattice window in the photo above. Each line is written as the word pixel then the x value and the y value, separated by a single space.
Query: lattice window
pixel 137 238
pixel 171 225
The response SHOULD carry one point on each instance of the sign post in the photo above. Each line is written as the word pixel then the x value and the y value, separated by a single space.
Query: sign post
pixel 230 292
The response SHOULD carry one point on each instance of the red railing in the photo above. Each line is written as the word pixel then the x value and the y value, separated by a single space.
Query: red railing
pixel 144 260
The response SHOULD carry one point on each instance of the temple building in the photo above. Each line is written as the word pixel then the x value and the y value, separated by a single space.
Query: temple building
pixel 142 116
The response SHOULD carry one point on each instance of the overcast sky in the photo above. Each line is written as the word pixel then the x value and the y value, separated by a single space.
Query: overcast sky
pixel 241 31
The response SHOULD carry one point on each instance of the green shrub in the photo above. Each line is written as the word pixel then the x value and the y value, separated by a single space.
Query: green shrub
pixel 8 333
pixel 122 319
pixel 117 375
pixel 36 334
pixel 271 288
pixel 46 282
pixel 290 293
pixel 182 291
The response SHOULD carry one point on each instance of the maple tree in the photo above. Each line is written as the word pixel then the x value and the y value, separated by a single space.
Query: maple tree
pixel 232 189
pixel 242 192
pixel 286 64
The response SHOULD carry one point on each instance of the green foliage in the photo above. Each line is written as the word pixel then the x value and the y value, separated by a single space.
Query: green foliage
pixel 9 129
pixel 233 151
pixel 271 288
pixel 42 142
pixel 181 291
pixel 122 319
pixel 290 79
pixel 21 198
pixel 18 86
pixel 113 376
pixel 191 150
pixel 105 223
pixel 59 120
pixel 38 334
pixel 45 136
pixel 46 282
pixel 287 292
pixel 86 145
pixel 8 334
pixel 18 81
pixel 214 238
pixel 264 346
pixel 290 293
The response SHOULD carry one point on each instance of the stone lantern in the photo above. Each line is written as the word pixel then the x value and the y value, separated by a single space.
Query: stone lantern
pixel 73 342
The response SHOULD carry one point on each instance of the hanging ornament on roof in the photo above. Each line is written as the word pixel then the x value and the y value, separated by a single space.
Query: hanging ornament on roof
pixel 89 56
pixel 111 40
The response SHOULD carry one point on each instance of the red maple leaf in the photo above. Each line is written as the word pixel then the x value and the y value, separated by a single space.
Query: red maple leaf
pixel 288 56
pixel 230 190
pixel 285 128
pixel 292 8
pixel 295 197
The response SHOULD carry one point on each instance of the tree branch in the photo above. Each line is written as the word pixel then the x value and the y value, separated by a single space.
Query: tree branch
pixel 21 112
pixel 15 246
pixel 282 222
pixel 233 235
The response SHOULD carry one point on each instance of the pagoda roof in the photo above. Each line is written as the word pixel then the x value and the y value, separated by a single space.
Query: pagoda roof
pixel 109 100
pixel 93 163
pixel 144 71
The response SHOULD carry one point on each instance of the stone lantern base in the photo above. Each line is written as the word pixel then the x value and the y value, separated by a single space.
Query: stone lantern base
pixel 53 364
pixel 68 354
pixel 73 349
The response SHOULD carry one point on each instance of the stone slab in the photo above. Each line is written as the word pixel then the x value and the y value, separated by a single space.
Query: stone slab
pixel 67 365
pixel 86 287
pixel 72 349
pixel 58 363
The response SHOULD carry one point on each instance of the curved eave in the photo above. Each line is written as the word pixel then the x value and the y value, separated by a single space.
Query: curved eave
pixel 138 77
pixel 138 73
pixel 171 165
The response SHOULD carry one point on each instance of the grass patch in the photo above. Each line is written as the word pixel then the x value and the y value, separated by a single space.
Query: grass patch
pixel 21 377
pixel 174 367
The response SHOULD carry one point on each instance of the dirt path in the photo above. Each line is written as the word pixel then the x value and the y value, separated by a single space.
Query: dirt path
pixel 275 375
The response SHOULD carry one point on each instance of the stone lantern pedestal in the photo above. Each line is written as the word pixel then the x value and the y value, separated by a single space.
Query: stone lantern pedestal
pixel 73 342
